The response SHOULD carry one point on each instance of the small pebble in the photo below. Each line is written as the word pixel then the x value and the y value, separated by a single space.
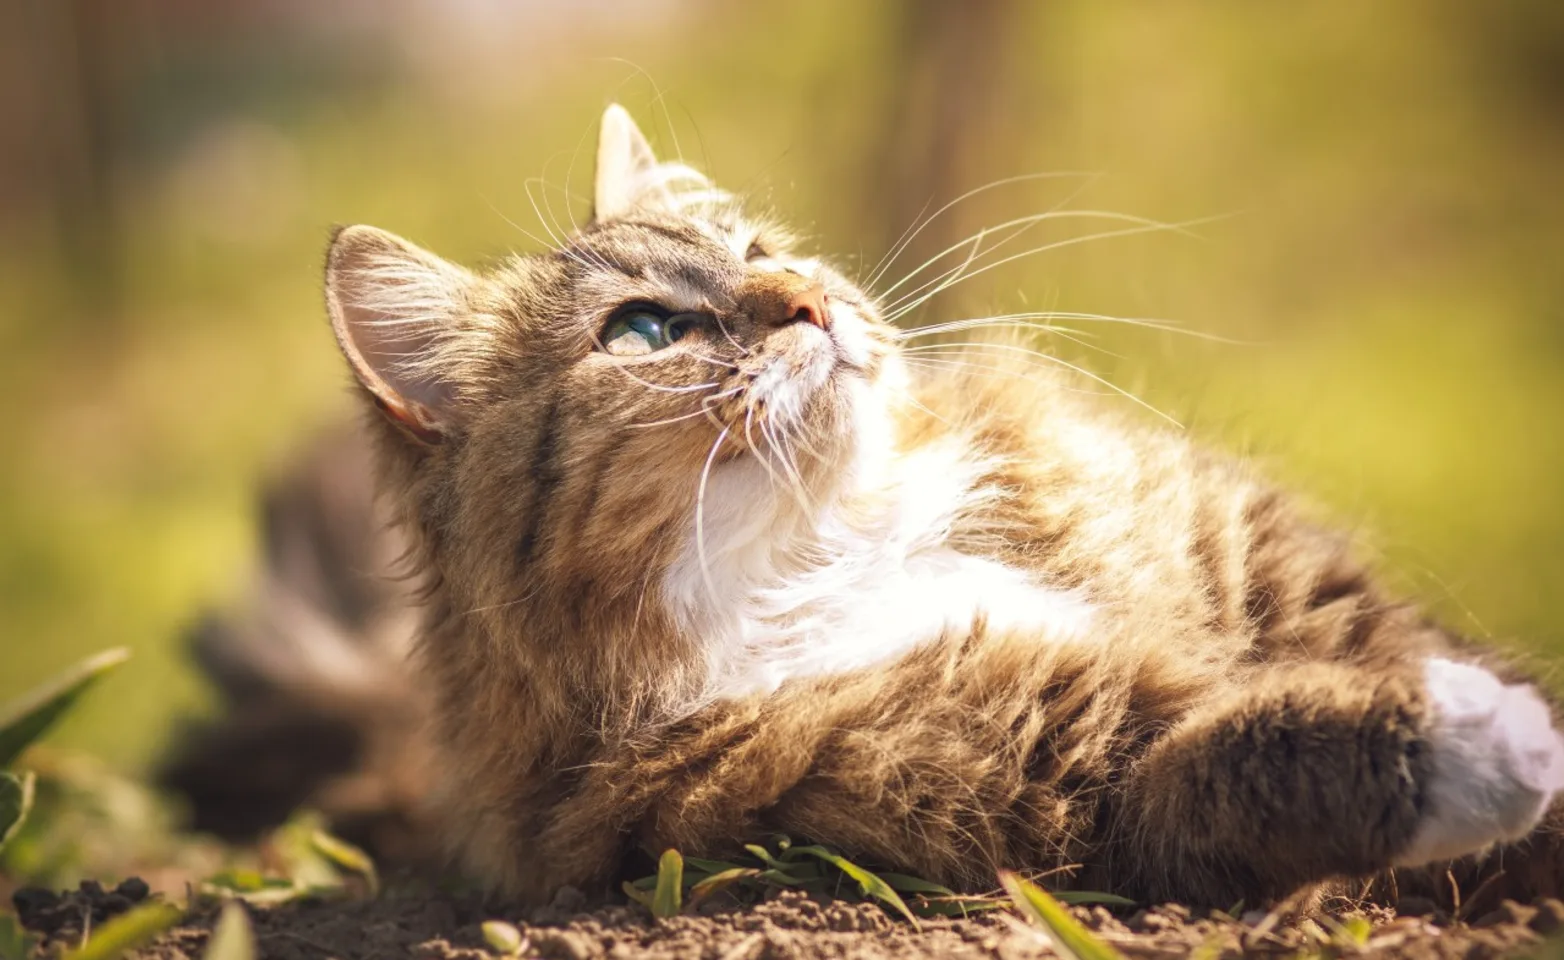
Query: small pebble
pixel 568 899
pixel 133 889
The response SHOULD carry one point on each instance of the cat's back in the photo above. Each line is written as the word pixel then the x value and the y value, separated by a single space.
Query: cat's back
pixel 1136 517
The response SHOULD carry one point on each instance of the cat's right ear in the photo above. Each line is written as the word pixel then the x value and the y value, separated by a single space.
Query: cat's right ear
pixel 626 175
pixel 393 307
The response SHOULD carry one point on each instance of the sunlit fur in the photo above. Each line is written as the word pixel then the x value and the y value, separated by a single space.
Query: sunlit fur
pixel 947 617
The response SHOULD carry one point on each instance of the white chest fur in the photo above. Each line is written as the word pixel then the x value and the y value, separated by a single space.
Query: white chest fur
pixel 774 591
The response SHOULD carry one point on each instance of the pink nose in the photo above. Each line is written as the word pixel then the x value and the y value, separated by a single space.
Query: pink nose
pixel 808 306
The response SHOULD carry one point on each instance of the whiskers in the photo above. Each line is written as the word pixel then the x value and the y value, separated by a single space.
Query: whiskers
pixel 700 515
pixel 955 353
pixel 989 249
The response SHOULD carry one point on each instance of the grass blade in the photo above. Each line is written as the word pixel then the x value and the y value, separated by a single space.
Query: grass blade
pixel 870 884
pixel 15 942
pixel 902 883
pixel 16 801
pixel 957 906
pixel 643 897
pixel 1072 898
pixel 1072 940
pixel 29 718
pixel 709 866
pixel 348 857
pixel 718 882
pixel 232 938
pixel 764 856
pixel 128 931
pixel 669 895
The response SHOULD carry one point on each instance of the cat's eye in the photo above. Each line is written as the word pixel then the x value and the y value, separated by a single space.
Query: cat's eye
pixel 638 329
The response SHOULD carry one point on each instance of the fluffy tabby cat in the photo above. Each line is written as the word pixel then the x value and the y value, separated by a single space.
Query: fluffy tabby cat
pixel 704 558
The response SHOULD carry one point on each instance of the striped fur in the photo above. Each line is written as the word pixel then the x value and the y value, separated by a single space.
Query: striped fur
pixel 773 577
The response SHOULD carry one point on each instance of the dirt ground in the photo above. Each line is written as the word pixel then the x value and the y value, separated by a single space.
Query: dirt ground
pixel 790 925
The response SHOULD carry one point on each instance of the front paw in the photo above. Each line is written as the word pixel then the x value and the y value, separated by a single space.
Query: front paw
pixel 1497 762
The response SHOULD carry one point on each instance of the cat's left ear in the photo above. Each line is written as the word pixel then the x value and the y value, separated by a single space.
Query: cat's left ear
pixel 395 308
pixel 627 169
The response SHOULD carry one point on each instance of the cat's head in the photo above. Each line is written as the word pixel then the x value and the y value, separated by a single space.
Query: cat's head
pixel 556 419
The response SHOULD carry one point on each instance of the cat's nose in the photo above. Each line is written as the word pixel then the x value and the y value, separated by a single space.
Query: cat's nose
pixel 779 299
pixel 808 306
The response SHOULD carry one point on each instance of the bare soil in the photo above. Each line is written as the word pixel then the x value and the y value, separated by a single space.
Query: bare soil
pixel 789 925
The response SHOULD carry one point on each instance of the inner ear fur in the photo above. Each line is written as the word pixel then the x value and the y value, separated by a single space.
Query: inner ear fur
pixel 626 175
pixel 393 307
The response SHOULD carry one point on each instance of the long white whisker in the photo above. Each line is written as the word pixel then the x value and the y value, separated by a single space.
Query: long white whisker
pixel 700 515
pixel 763 456
pixel 703 411
pixel 1150 323
pixel 1025 221
pixel 664 388
pixel 1036 354
pixel 907 237
pixel 548 201
pixel 1056 245
pixel 789 468
pixel 555 240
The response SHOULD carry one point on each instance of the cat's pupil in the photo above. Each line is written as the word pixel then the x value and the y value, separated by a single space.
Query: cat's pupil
pixel 677 327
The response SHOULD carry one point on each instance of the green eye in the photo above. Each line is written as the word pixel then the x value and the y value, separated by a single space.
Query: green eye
pixel 633 333
pixel 640 330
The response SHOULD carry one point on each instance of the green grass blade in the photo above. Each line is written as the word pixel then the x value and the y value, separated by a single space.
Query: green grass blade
pixel 1072 940
pixel 870 884
pixel 764 856
pixel 669 895
pixel 348 857
pixel 957 906
pixel 718 882
pixel 1073 898
pixel 643 897
pixel 232 938
pixel 27 719
pixel 128 931
pixel 902 883
pixel 709 866
pixel 16 801
pixel 15 942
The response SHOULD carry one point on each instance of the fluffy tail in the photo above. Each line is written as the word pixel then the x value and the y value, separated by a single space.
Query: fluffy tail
pixel 319 709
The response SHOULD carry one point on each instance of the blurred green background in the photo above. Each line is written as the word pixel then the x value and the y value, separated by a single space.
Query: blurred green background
pixel 1387 256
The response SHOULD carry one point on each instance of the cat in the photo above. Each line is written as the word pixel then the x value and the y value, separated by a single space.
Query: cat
pixel 703 556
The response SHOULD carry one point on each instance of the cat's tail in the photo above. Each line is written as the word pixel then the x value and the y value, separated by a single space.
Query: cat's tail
pixel 318 707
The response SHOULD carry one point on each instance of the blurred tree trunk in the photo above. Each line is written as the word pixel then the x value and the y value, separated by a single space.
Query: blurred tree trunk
pixel 947 106
pixel 58 113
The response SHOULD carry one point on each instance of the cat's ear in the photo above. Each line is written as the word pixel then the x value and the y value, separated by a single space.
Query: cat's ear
pixel 627 169
pixel 393 306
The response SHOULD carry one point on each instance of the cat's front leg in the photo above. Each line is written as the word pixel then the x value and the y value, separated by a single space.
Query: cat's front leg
pixel 1328 769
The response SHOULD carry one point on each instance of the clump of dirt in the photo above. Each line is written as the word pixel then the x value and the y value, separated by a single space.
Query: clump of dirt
pixel 792 925
pixel 65 916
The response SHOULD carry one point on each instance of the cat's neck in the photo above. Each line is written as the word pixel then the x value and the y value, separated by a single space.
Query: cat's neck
pixel 776 585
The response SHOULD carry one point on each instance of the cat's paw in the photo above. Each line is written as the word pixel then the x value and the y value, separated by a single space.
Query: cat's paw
pixel 1497 762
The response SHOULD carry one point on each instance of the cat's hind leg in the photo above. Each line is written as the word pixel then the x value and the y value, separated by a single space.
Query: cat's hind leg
pixel 1497 761
pixel 1324 770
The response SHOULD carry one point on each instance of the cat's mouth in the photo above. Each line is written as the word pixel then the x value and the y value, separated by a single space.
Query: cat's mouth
pixel 791 382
